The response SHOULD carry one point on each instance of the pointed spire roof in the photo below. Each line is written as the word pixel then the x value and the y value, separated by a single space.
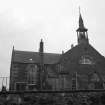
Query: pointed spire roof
pixel 81 23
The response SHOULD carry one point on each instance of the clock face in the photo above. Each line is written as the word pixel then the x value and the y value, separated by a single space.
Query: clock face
pixel 86 59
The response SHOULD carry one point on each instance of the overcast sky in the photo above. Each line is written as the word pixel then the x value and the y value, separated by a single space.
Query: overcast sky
pixel 24 22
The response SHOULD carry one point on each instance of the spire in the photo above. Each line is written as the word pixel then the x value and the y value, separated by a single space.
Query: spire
pixel 81 23
pixel 82 31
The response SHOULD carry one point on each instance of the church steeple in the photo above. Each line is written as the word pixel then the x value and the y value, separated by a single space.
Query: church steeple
pixel 82 31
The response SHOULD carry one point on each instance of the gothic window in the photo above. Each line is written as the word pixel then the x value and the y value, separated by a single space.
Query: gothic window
pixel 86 60
pixel 31 73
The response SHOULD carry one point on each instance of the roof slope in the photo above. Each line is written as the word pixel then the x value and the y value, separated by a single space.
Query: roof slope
pixel 70 59
pixel 82 49
pixel 33 57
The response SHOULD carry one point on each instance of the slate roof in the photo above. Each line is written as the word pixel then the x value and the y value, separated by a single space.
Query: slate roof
pixel 33 57
pixel 80 50
pixel 70 59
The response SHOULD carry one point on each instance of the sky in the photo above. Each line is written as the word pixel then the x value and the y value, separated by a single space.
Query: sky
pixel 24 22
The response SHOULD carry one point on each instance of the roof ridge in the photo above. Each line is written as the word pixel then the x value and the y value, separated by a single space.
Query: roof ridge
pixel 35 52
pixel 25 51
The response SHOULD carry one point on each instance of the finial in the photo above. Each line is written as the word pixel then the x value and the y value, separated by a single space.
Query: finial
pixel 62 52
pixel 41 40
pixel 41 46
pixel 13 46
pixel 72 45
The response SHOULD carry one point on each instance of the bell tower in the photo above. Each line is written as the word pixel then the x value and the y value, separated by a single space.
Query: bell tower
pixel 82 35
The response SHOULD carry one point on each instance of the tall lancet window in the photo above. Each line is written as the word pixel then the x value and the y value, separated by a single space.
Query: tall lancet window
pixel 32 73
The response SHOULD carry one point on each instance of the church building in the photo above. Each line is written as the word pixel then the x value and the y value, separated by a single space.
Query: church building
pixel 81 67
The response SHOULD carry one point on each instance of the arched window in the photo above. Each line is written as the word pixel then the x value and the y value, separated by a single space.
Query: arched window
pixel 86 60
pixel 31 73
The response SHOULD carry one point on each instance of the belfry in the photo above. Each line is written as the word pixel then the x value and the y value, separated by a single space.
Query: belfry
pixel 82 34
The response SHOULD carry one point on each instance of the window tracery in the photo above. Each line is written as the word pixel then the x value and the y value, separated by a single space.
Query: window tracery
pixel 86 60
